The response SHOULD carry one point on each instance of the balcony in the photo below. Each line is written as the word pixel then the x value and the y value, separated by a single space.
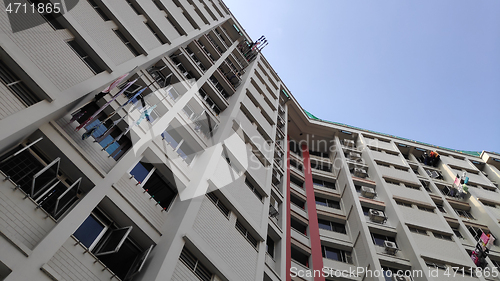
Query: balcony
pixel 182 142
pixel 252 132
pixel 200 121
pixel 196 60
pixel 209 102
pixel 214 44
pixel 228 86
pixel 185 68
pixel 205 51
pixel 217 39
pixel 300 237
pixel 161 74
pixel 297 171
pixel 219 87
pixel 231 75
pixel 41 185
pixel 281 110
pixel 277 176
pixel 271 263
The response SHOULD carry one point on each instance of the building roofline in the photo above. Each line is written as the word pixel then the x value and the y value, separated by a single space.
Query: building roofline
pixel 472 153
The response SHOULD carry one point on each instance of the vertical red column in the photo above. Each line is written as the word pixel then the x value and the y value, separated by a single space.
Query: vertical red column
pixel 288 219
pixel 316 255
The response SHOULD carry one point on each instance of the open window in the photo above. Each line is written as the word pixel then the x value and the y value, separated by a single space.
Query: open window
pixel 155 183
pixel 48 180
pixel 112 244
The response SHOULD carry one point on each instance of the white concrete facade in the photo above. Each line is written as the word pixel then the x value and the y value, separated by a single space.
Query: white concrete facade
pixel 199 191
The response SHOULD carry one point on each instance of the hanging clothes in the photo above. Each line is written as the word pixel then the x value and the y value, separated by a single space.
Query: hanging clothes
pixel 91 118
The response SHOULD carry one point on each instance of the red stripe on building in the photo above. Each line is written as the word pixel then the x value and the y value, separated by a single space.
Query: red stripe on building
pixel 288 219
pixel 316 255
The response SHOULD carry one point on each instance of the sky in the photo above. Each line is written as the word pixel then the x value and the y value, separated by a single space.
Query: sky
pixel 424 70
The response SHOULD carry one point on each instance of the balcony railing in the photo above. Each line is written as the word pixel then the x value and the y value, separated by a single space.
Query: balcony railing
pixel 201 46
pixel 196 60
pixel 209 102
pixel 41 180
pixel 219 87
pixel 216 47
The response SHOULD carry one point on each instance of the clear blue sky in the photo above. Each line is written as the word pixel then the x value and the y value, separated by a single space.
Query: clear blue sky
pixel 423 70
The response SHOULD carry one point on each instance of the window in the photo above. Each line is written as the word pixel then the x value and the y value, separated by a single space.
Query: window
pixel 98 10
pixel 133 7
pixel 317 165
pixel 335 254
pixel 253 189
pixel 85 57
pixel 17 86
pixel 488 204
pixel 155 184
pixel 390 273
pixel 112 244
pixel 442 236
pixel 297 182
pixel 391 182
pixel 270 246
pixel 298 226
pixel 417 230
pixel 427 209
pixel 332 226
pixel 412 186
pixel 319 154
pixel 401 203
pixel 440 208
pixel 155 33
pixel 457 232
pixel 194 264
pixel 436 265
pixel 299 256
pixel 476 232
pixel 297 201
pixel 172 135
pixel 45 183
pixel 434 174
pixel 51 19
pixel 464 214
pixel 426 185
pixel 296 165
pixel 218 203
pixel 383 164
pixel 246 234
pixel 379 239
pixel 328 203
pixel 322 183
pixel 126 42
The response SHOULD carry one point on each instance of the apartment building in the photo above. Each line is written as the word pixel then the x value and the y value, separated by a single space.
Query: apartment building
pixel 151 140
pixel 383 208
pixel 139 140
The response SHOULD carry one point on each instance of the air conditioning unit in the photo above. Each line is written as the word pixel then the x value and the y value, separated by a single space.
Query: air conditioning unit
pixel 273 208
pixel 377 216
pixel 368 192
pixel 348 143
pixel 358 172
pixel 390 247
pixel 354 156
pixel 395 277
